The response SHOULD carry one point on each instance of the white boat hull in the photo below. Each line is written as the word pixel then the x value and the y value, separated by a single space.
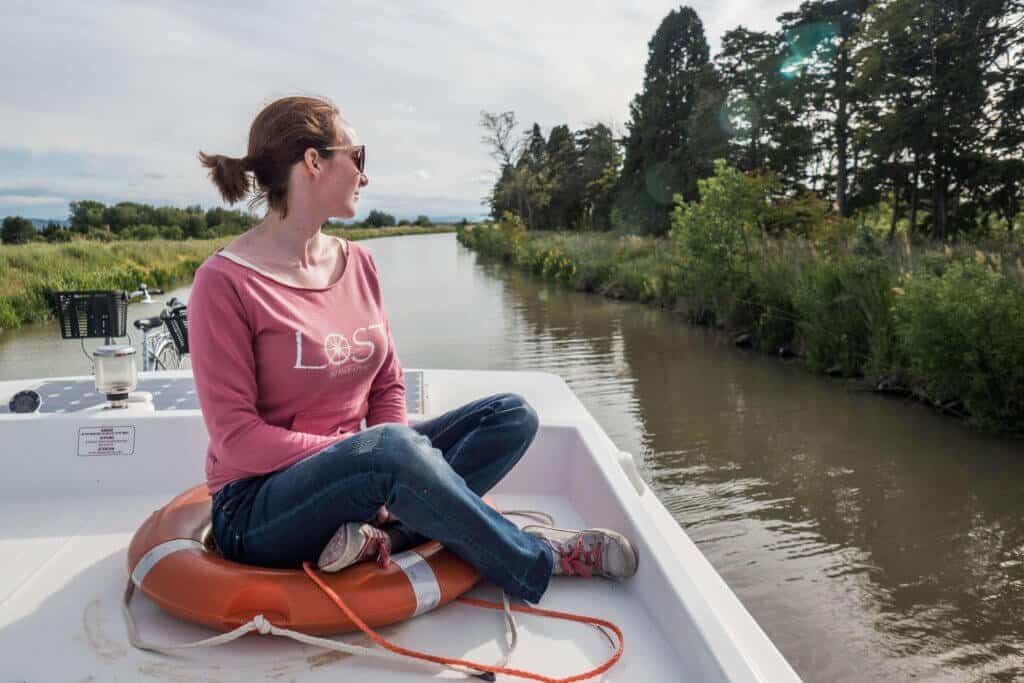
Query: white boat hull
pixel 68 513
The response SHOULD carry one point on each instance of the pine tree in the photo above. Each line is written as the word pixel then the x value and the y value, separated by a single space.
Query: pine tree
pixel 764 105
pixel 563 161
pixel 658 163
pixel 927 65
pixel 600 159
pixel 820 35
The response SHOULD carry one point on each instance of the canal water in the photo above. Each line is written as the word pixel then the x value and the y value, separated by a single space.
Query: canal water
pixel 870 538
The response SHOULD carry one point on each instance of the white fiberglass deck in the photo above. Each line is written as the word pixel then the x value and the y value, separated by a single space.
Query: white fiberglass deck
pixel 66 520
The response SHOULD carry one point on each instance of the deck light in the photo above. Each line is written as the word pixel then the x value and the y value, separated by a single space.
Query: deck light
pixel 116 375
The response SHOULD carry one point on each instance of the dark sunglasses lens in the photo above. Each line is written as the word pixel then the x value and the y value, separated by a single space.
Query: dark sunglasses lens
pixel 361 159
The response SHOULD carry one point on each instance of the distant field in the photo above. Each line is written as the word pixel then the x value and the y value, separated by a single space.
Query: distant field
pixel 30 272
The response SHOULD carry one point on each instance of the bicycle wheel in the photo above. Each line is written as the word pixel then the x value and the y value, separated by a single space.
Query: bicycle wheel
pixel 166 356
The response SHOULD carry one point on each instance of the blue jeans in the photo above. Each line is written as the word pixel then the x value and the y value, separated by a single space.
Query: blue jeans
pixel 430 476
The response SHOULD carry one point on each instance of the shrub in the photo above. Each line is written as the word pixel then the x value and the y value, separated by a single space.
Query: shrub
pixel 773 312
pixel 172 232
pixel 379 219
pixel 715 236
pixel 798 216
pixel 17 230
pixel 844 308
pixel 961 339
pixel 141 232
pixel 55 233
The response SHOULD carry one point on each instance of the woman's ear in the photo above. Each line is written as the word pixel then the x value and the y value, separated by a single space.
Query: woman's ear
pixel 312 159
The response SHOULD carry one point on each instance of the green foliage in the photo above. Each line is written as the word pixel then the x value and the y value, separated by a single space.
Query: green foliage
pixel 961 338
pixel 122 220
pixel 513 229
pixel 143 232
pixel 55 233
pixel 764 108
pixel 502 240
pixel 769 309
pixel 17 230
pixel 661 161
pixel 715 236
pixel 379 219
pixel 844 311
pixel 423 221
pixel 797 216
pixel 171 232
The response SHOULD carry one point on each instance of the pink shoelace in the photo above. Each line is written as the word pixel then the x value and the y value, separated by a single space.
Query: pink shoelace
pixel 377 542
pixel 576 560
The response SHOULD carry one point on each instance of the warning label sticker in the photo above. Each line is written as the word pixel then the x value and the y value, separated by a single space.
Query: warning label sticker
pixel 106 441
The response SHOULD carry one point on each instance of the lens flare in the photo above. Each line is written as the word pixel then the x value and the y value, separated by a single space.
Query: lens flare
pixel 810 46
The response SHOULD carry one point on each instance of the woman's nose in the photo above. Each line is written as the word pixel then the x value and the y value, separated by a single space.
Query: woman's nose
pixel 364 180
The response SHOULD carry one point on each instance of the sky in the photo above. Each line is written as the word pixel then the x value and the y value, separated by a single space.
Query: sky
pixel 112 101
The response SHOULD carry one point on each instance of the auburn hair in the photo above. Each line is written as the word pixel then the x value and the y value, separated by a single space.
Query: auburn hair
pixel 278 137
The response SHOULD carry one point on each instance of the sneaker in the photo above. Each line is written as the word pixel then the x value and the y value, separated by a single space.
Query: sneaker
pixel 588 552
pixel 355 542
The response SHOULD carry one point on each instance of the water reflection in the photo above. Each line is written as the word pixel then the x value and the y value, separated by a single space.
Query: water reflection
pixel 871 538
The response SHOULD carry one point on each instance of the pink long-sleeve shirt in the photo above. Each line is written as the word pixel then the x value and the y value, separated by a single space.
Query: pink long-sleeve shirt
pixel 282 372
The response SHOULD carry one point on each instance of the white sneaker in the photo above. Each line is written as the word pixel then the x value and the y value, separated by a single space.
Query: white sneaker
pixel 355 542
pixel 587 552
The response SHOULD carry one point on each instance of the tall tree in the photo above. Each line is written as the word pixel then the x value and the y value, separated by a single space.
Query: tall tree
pixel 563 160
pixel 600 158
pixel 86 214
pixel 658 164
pixel 506 148
pixel 1007 138
pixel 929 66
pixel 764 98
pixel 534 178
pixel 820 34
pixel 17 230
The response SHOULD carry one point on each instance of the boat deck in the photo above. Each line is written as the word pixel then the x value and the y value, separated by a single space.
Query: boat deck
pixel 67 519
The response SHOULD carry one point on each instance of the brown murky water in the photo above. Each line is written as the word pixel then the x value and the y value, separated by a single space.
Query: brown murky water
pixel 871 539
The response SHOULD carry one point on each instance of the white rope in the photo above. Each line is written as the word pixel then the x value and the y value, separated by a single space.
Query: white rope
pixel 535 515
pixel 260 624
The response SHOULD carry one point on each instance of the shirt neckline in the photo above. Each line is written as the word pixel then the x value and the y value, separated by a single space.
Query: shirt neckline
pixel 344 244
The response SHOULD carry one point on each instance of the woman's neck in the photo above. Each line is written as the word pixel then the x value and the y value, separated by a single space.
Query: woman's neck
pixel 296 240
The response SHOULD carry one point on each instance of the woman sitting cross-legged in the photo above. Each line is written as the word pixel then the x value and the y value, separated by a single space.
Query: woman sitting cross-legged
pixel 291 351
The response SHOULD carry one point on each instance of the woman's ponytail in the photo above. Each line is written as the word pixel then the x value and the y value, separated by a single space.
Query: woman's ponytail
pixel 229 175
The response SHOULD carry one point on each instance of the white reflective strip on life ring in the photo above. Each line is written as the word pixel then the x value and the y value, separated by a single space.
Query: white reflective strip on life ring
pixel 158 553
pixel 421 576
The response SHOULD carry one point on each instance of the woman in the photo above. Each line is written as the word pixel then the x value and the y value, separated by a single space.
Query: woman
pixel 292 351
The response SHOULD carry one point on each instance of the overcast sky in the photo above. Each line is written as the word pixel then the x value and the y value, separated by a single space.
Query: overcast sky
pixel 111 101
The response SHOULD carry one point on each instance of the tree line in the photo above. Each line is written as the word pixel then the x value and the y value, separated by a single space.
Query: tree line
pixel 916 103
pixel 130 220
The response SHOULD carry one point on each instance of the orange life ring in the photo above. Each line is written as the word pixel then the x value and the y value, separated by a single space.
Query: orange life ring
pixel 172 560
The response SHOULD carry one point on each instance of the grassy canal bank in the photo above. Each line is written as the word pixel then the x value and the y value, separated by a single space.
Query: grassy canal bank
pixel 944 324
pixel 29 273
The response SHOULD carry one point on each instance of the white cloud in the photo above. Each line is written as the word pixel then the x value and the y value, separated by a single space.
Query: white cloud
pixel 141 87
pixel 18 200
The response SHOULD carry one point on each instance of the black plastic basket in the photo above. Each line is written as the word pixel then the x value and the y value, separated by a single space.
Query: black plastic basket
pixel 176 322
pixel 95 314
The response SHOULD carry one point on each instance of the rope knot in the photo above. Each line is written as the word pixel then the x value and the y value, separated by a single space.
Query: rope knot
pixel 262 625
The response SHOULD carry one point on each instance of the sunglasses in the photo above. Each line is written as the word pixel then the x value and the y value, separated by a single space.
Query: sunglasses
pixel 358 154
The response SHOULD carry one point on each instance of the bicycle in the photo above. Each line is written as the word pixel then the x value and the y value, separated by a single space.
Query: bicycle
pixel 164 336
pixel 103 314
